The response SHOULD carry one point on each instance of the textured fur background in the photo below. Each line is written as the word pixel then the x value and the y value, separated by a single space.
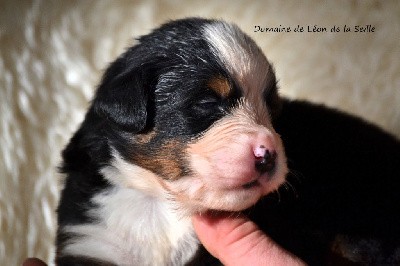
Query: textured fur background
pixel 52 54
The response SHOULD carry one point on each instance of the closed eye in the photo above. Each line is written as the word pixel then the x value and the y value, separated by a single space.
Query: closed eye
pixel 208 105
pixel 209 102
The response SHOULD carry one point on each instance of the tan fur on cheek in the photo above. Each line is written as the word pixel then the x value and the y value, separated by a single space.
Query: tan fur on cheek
pixel 166 161
pixel 145 138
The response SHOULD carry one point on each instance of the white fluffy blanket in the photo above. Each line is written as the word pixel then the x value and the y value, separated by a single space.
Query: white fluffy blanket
pixel 52 54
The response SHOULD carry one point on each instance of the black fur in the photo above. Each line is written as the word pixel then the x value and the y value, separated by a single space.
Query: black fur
pixel 345 181
pixel 345 172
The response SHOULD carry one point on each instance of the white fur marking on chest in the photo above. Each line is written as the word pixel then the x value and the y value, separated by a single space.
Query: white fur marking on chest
pixel 134 227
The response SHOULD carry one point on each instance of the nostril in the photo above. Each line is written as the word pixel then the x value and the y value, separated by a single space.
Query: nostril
pixel 267 162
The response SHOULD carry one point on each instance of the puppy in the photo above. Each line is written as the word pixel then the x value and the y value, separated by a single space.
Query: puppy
pixel 184 122
pixel 181 123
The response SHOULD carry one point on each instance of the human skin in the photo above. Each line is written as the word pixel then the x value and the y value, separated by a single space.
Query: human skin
pixel 235 240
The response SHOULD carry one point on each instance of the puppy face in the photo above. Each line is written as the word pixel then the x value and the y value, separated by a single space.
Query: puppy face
pixel 189 112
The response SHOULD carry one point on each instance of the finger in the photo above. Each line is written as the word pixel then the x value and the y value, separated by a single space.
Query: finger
pixel 33 262
pixel 235 240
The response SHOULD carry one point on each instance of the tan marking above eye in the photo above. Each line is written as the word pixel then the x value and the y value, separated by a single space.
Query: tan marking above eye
pixel 220 85
pixel 146 137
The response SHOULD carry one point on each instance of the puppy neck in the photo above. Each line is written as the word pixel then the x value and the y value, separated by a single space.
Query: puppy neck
pixel 136 223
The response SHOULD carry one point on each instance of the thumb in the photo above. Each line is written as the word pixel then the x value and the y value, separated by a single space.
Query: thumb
pixel 235 240
pixel 33 262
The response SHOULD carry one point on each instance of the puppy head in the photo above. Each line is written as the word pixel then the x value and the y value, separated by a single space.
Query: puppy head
pixel 190 108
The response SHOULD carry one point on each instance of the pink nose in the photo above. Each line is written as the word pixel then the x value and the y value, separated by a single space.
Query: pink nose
pixel 265 156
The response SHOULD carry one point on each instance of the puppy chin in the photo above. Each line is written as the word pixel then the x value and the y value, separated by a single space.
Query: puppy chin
pixel 197 195
pixel 241 198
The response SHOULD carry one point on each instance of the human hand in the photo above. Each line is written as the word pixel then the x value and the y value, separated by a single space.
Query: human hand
pixel 33 262
pixel 235 240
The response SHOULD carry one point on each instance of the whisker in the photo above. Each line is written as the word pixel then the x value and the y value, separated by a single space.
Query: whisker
pixel 298 175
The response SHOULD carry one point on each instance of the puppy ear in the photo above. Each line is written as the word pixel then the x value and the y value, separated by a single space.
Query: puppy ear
pixel 122 97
